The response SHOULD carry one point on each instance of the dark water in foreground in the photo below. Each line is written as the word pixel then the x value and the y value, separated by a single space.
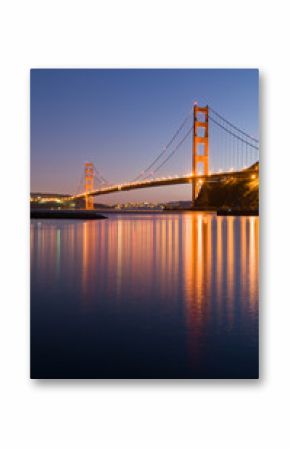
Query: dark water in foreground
pixel 145 296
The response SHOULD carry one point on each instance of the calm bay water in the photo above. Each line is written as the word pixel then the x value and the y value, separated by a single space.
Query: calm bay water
pixel 145 296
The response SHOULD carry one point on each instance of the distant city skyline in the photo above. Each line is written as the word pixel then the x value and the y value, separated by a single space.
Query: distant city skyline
pixel 120 119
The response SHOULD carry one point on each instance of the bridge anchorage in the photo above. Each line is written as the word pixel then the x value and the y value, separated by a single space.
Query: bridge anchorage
pixel 231 153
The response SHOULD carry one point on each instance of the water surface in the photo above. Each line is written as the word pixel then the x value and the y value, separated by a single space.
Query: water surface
pixel 145 296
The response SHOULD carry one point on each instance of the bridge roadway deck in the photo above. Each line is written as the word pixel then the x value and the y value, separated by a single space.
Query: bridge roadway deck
pixel 159 182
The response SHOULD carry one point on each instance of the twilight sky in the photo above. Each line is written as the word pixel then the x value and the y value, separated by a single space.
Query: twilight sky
pixel 119 119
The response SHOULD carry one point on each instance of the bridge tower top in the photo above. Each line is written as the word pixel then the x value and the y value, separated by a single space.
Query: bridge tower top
pixel 199 145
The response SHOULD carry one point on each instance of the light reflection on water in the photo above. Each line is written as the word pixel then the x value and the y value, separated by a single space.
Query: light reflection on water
pixel 153 295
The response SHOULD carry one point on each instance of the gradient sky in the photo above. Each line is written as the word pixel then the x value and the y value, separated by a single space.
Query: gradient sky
pixel 119 119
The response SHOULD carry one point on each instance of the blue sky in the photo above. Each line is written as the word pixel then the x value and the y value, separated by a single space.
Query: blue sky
pixel 119 119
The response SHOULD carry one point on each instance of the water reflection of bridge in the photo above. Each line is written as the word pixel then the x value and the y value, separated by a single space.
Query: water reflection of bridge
pixel 190 278
pixel 207 252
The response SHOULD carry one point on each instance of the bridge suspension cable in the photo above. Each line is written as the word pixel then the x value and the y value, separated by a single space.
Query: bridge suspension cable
pixel 232 125
pixel 99 177
pixel 231 147
pixel 236 147
pixel 233 134
pixel 143 173
pixel 173 151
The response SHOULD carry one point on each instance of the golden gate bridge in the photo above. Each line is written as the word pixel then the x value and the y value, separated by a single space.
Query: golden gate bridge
pixel 219 150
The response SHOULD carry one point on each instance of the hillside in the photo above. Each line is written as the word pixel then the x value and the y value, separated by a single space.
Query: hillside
pixel 237 194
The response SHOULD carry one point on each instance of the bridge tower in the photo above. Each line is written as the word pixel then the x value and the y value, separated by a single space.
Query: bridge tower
pixel 89 183
pixel 199 146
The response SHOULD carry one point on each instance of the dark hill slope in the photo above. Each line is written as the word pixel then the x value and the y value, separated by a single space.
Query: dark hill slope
pixel 237 194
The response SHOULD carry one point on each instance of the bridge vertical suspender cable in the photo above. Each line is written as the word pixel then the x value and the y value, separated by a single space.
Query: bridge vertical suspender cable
pixel 240 149
pixel 231 125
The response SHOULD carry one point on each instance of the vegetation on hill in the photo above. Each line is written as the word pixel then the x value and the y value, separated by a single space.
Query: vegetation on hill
pixel 236 194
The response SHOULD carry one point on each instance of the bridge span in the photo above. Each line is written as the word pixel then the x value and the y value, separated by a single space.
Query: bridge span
pixel 233 150
pixel 249 173
pixel 238 150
